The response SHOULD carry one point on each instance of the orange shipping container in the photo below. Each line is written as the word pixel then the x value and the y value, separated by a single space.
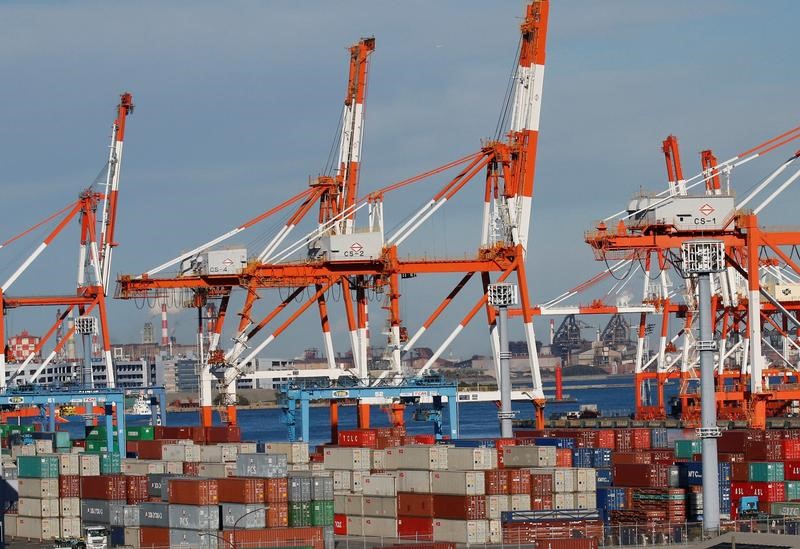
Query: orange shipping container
pixel 193 491
pixel 276 490
pixel 103 487
pixel 240 490
pixel 277 515
pixel 274 537
pixel 519 481
pixel 69 486
pixel 563 457
pixel 152 538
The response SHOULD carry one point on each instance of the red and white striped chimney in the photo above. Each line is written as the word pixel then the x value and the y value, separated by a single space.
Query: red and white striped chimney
pixel 164 326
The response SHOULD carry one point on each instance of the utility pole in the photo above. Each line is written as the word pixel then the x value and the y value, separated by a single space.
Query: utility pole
pixel 700 259
pixel 502 296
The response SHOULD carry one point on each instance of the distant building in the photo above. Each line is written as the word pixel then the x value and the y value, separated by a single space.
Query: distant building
pixel 22 345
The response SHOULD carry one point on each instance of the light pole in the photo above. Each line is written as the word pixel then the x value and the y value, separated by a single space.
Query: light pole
pixel 501 296
pixel 700 259
pixel 86 325
pixel 236 522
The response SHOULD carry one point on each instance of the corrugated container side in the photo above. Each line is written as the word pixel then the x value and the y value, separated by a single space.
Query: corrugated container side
pixel 464 483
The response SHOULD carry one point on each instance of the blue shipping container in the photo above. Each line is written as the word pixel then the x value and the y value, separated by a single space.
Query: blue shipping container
pixel 601 457
pixel 691 473
pixel 582 457
pixel 557 442
pixel 604 477
pixel 610 499
pixel 658 438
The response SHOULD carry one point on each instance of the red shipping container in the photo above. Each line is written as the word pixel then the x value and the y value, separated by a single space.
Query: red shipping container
pixel 69 486
pixel 791 470
pixel 132 446
pixel 274 537
pixel 542 503
pixel 740 472
pixel 358 438
pixel 640 439
pixel 415 505
pixel 164 432
pixel 528 433
pixel 541 485
pixel 222 433
pixel 151 449
pixel 191 468
pixel 731 458
pixel 79 443
pixel 622 440
pixel 519 481
pixel 276 490
pixel 459 507
pixel 136 489
pixel 791 449
pixel 641 475
pixel 193 491
pixel 628 458
pixel 240 490
pixel 340 525
pixel 103 487
pixel 496 482
pixel 416 528
pixel 605 438
pixel 277 515
pixel 662 456
pixel 425 439
pixel 766 491
pixel 152 538
pixel 563 457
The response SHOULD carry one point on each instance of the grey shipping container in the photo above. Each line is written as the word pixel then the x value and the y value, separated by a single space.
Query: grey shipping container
pixel 193 539
pixel 154 514
pixel 194 517
pixel 322 488
pixel 130 516
pixel 98 511
pixel 244 515
pixel 299 488
pixel 261 465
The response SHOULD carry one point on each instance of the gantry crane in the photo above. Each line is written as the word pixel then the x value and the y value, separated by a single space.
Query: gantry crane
pixel 364 261
pixel 97 240
pixel 651 232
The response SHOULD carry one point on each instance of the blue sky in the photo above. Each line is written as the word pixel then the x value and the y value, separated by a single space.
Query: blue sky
pixel 238 102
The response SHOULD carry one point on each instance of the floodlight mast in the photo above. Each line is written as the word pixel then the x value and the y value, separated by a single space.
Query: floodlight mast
pixel 502 296
pixel 700 258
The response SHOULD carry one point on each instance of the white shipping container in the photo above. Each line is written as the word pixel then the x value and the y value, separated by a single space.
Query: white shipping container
pixel 529 456
pixel 424 458
pixel 296 452
pixel 564 501
pixel 37 528
pixel 70 527
pixel 173 467
pixel 495 532
pixel 353 459
pixel 342 480
pixel 471 459
pixel 355 526
pixel 143 467
pixel 585 500
pixel 379 527
pixel 90 465
pixel 458 483
pixel 414 481
pixel 130 515
pixel 496 505
pixel 375 506
pixel 585 480
pixel 298 466
pixel 23 450
pixel 348 504
pixel 379 485
pixel 10 525
pixel 43 447
pixel 41 508
pixel 246 447
pixel 70 507
pixel 132 537
pixel 37 488
pixel 379 460
pixel 519 502
pixel 358 481
pixel 460 531
pixel 212 470
pixel 180 452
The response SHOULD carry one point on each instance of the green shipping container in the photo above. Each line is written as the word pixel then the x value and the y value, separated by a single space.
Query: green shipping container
pixel 321 513
pixel 792 489
pixel 38 466
pixel 99 433
pixel 766 472
pixel 140 432
pixel 20 429
pixel 99 446
pixel 62 439
pixel 785 509
pixel 685 449
pixel 110 464
pixel 299 514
